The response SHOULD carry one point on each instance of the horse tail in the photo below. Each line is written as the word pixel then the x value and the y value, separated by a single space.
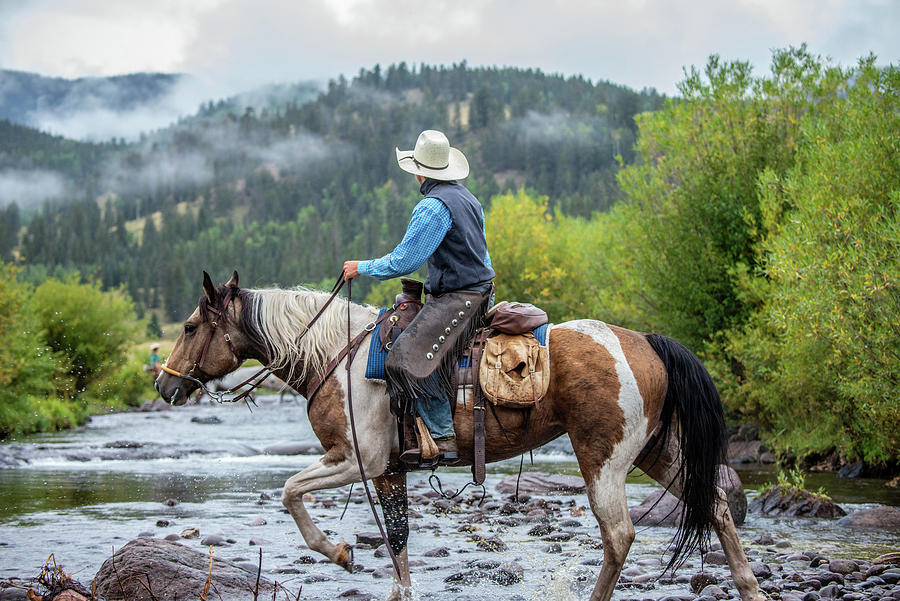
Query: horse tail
pixel 693 398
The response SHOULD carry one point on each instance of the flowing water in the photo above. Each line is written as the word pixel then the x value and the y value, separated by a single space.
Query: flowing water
pixel 82 493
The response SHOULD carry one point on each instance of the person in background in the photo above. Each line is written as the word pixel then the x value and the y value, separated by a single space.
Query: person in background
pixel 155 360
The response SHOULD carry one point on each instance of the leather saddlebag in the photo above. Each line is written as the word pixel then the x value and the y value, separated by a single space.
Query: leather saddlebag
pixel 514 370
pixel 514 318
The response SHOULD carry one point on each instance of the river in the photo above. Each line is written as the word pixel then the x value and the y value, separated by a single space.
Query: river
pixel 81 493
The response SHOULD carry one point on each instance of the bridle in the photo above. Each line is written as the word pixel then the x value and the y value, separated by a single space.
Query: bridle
pixel 254 381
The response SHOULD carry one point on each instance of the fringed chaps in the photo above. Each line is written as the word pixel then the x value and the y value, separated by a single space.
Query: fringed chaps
pixel 422 362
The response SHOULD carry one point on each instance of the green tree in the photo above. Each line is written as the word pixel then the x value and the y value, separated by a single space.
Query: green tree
pixel 692 207
pixel 817 363
pixel 28 368
pixel 88 327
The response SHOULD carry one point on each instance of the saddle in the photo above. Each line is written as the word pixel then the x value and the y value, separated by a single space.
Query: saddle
pixel 504 364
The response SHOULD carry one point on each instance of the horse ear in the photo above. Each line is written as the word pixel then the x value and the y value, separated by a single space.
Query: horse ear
pixel 233 282
pixel 208 288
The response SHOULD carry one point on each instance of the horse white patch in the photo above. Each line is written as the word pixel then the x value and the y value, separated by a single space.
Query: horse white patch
pixel 630 399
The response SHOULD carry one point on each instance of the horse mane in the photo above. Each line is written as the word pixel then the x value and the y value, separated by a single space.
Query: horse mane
pixel 280 317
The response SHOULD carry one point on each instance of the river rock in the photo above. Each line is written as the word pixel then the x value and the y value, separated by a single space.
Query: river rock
pixel 760 570
pixel 213 540
pixel 209 420
pixel 851 470
pixel 492 544
pixel 714 590
pixel 701 580
pixel 123 444
pixel 294 448
pixel 540 483
pixel 743 451
pixel 437 552
pixel 180 572
pixel 662 508
pixel 843 566
pixel 883 518
pixel 508 574
pixel 370 538
pixel 777 501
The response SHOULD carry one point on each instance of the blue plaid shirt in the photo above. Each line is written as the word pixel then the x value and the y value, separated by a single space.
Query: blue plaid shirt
pixel 427 227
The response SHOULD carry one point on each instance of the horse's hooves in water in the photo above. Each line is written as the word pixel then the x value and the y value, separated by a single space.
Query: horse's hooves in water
pixel 344 556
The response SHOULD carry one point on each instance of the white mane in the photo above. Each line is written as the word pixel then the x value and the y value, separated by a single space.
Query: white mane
pixel 282 316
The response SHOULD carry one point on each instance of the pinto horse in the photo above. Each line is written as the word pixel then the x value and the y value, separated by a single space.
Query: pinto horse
pixel 625 399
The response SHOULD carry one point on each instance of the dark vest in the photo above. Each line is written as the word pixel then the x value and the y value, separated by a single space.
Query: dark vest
pixel 458 262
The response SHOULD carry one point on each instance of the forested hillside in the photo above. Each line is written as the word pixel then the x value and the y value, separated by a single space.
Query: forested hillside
pixel 286 193
pixel 24 96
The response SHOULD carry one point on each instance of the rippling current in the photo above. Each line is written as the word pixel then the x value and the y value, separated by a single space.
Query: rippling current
pixel 79 494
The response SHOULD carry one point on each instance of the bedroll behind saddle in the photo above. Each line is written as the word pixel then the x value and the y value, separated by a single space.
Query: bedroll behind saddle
pixel 515 367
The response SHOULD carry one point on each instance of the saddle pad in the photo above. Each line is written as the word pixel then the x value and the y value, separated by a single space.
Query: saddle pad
pixel 377 353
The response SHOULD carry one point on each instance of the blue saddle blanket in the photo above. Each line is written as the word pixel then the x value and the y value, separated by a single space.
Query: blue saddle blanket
pixel 377 353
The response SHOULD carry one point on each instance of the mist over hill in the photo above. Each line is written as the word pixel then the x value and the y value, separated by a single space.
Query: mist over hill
pixel 287 181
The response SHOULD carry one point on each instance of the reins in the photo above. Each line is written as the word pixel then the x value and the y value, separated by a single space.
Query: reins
pixel 362 471
pixel 256 380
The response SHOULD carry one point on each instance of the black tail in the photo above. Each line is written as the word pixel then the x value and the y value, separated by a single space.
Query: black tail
pixel 701 426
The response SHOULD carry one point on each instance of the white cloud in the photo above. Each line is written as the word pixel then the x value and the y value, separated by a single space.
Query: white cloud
pixel 31 189
pixel 240 44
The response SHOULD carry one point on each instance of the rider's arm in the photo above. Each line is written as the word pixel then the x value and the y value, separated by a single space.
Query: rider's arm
pixel 427 227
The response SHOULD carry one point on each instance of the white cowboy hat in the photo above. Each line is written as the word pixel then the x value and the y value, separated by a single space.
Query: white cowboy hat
pixel 153 347
pixel 433 157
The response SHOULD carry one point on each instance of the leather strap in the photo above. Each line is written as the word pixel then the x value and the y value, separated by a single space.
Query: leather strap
pixel 478 434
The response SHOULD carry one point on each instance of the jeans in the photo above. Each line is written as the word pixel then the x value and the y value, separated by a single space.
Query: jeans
pixel 437 417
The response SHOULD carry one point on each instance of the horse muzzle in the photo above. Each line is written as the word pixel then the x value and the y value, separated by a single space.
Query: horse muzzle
pixel 173 389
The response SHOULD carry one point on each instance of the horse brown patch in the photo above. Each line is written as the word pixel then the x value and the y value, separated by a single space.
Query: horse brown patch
pixel 648 370
pixel 329 422
pixel 585 390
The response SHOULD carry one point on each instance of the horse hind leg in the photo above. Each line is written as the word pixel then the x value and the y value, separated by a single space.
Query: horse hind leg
pixel 319 476
pixel 606 493
pixel 662 466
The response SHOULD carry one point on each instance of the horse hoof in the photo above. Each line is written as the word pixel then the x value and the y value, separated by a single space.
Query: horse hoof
pixel 343 556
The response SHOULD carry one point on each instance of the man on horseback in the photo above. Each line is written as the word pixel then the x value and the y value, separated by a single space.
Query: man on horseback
pixel 446 230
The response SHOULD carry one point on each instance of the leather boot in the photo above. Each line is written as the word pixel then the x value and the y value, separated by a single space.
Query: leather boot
pixel 449 452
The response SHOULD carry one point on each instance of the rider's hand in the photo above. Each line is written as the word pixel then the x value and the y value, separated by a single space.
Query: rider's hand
pixel 351 270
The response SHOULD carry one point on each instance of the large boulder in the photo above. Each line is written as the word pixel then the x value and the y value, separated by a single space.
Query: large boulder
pixel 171 571
pixel 790 501
pixel 881 517
pixel 539 483
pixel 662 508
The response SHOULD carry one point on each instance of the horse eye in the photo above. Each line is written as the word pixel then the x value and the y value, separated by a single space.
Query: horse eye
pixel 189 328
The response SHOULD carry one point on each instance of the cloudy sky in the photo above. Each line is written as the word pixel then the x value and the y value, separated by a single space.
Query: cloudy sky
pixel 238 44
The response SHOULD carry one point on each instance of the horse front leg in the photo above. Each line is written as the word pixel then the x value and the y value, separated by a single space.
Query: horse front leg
pixel 391 489
pixel 319 476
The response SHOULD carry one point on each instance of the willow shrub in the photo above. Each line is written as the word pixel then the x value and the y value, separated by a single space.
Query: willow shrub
pixel 569 266
pixel 818 361
pixel 28 367
pixel 91 329
pixel 691 201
